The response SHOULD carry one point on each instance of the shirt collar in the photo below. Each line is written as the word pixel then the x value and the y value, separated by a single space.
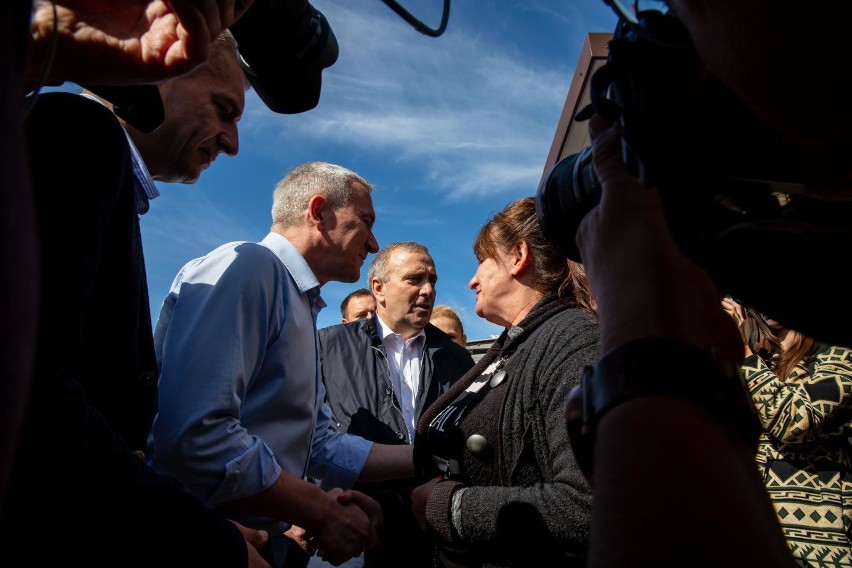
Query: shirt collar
pixel 143 184
pixel 384 331
pixel 296 264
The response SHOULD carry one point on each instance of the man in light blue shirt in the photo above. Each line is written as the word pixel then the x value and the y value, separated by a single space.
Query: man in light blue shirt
pixel 241 415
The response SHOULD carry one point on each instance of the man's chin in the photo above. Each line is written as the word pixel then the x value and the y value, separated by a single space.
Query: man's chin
pixel 349 278
pixel 194 174
pixel 420 319
pixel 180 177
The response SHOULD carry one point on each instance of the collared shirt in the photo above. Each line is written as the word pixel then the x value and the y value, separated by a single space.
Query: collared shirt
pixel 404 363
pixel 143 184
pixel 240 397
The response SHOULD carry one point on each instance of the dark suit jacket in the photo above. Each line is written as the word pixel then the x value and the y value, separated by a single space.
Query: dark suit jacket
pixel 78 493
pixel 362 401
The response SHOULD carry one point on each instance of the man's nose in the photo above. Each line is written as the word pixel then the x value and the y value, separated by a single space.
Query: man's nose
pixel 428 289
pixel 229 139
pixel 372 244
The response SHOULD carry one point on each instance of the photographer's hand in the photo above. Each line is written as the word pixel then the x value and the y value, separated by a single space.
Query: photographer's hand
pixel 644 286
pixel 655 454
pixel 735 310
pixel 132 41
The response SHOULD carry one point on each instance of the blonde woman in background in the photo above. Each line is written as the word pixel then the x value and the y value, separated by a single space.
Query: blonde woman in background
pixel 448 321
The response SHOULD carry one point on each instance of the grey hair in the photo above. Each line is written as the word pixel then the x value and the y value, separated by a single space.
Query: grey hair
pixel 292 194
pixel 225 45
pixel 226 41
pixel 223 49
pixel 379 266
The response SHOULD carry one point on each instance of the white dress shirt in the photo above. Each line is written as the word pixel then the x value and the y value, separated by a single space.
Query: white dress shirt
pixel 403 357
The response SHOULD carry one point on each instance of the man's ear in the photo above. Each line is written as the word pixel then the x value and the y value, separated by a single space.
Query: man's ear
pixel 520 258
pixel 318 211
pixel 377 288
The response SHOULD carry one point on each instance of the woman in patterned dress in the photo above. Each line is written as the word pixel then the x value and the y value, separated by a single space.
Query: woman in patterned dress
pixel 802 391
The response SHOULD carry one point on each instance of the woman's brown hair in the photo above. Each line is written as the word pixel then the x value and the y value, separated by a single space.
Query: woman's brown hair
pixel 517 223
pixel 765 340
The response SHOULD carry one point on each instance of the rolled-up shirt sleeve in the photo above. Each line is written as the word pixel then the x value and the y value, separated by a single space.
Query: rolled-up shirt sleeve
pixel 211 339
pixel 336 458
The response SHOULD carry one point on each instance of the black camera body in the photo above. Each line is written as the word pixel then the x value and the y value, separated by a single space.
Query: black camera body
pixel 284 46
pixel 731 189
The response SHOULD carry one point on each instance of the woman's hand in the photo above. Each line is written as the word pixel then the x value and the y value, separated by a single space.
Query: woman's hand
pixel 419 498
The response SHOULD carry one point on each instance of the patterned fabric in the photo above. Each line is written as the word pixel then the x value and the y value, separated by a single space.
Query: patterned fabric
pixel 805 455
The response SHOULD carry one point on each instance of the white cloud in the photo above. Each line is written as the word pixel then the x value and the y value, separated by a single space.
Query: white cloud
pixel 472 101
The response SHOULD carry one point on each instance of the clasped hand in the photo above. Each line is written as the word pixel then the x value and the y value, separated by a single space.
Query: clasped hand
pixel 349 526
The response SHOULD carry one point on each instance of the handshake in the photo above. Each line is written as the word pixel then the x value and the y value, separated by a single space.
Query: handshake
pixel 350 526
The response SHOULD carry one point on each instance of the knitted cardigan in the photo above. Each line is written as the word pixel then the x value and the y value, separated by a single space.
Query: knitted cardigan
pixel 526 497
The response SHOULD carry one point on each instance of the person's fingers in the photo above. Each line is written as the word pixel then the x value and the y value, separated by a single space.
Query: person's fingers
pixel 254 537
pixel 216 15
pixel 370 507
pixel 367 504
pixel 201 22
pixel 350 528
pixel 195 30
pixel 303 538
pixel 606 151
pixel 618 184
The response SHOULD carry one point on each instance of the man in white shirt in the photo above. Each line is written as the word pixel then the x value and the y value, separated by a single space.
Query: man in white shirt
pixel 381 373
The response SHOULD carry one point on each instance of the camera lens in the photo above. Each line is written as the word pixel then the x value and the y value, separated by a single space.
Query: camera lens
pixel 563 198
pixel 284 46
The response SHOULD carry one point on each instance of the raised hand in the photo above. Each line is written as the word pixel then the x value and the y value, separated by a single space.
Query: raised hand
pixel 132 41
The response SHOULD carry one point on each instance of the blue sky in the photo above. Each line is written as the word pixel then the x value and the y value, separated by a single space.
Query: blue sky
pixel 448 129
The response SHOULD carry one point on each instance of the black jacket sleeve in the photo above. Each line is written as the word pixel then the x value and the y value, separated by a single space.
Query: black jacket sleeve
pixel 78 493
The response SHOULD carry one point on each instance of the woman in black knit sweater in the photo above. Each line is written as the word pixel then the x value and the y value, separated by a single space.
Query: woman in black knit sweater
pixel 505 488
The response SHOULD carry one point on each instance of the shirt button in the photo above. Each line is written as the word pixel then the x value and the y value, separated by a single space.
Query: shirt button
pixel 478 445
pixel 400 435
pixel 498 378
pixel 147 378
